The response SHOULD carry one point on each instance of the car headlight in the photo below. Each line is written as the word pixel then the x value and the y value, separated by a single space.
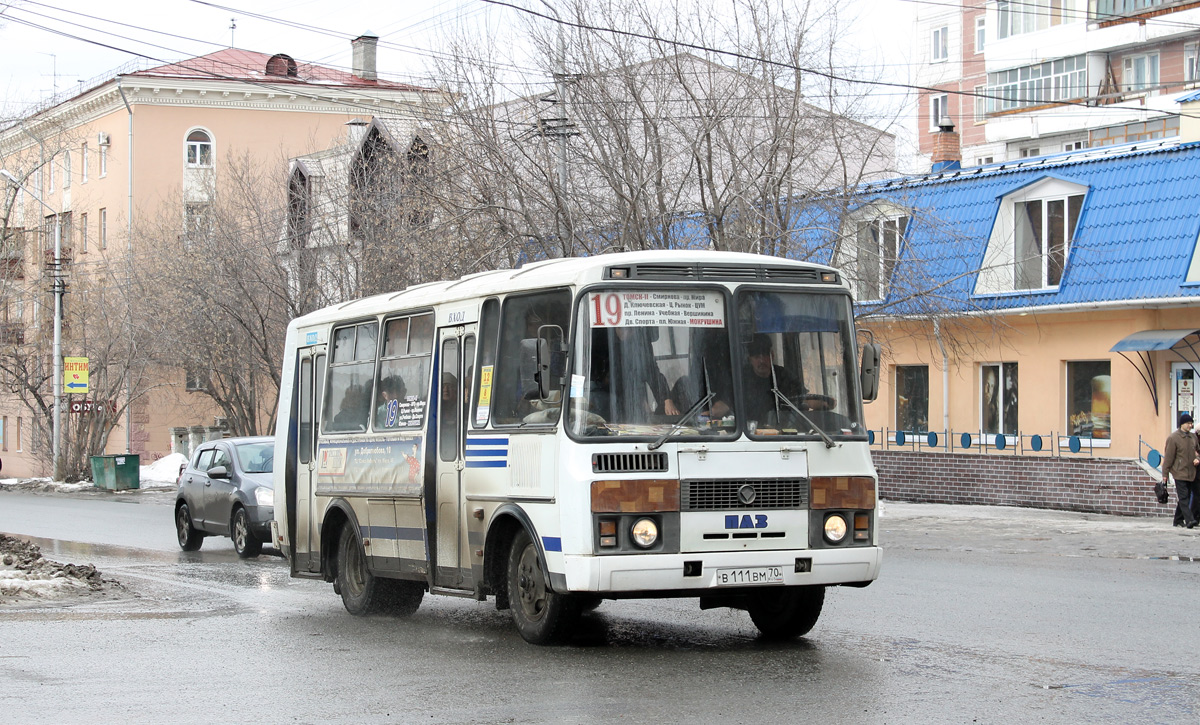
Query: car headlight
pixel 264 496
pixel 644 533
pixel 835 528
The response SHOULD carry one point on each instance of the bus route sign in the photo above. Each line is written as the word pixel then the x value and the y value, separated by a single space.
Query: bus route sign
pixel 75 374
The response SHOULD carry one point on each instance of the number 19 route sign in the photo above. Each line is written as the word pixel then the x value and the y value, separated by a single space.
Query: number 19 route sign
pixel 75 374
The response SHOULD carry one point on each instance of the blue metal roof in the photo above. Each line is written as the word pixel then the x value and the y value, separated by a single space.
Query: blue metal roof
pixel 1134 239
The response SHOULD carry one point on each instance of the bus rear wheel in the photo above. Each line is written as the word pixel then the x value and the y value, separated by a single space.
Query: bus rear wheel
pixel 542 616
pixel 363 592
pixel 786 613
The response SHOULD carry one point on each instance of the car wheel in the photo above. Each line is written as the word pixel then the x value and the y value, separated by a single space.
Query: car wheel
pixel 788 612
pixel 542 616
pixel 245 543
pixel 189 538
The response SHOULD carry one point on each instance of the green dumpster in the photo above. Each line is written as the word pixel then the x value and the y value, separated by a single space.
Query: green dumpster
pixel 116 473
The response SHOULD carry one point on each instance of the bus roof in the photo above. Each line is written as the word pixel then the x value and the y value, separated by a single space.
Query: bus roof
pixel 550 273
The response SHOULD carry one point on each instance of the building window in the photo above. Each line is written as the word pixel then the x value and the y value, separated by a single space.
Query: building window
pixel 998 401
pixel 83 232
pixel 1064 79
pixel 939 108
pixel 20 434
pixel 103 160
pixel 4 433
pixel 1030 241
pixel 1089 399
pixel 1028 152
pixel 912 398
pixel 984 160
pixel 981 103
pixel 197 221
pixel 1017 17
pixel 51 165
pixel 1139 72
pixel 197 379
pixel 980 32
pixel 66 169
pixel 1074 146
pixel 941 43
pixel 83 163
pixel 199 150
pixel 877 243
pixel 103 230
pixel 1191 56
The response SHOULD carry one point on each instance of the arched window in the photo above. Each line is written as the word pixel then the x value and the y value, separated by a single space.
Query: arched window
pixel 199 149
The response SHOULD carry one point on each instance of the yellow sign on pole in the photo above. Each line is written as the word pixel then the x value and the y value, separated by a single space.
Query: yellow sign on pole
pixel 75 374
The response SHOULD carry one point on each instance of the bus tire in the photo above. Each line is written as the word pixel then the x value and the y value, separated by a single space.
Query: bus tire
pixel 542 616
pixel 359 588
pixel 786 613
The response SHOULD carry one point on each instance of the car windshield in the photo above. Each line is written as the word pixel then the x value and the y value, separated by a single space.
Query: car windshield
pixel 646 358
pixel 796 369
pixel 256 457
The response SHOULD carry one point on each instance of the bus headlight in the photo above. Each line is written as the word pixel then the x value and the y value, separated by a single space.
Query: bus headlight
pixel 644 533
pixel 835 528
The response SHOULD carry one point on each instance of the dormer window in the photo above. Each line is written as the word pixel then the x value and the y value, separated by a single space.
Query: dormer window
pixel 870 246
pixel 199 150
pixel 1031 239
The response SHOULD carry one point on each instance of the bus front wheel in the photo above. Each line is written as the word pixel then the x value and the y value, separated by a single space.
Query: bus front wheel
pixel 787 612
pixel 542 616
pixel 363 592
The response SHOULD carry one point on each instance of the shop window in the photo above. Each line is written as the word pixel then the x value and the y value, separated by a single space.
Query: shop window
pixel 1089 399
pixel 912 398
pixel 998 398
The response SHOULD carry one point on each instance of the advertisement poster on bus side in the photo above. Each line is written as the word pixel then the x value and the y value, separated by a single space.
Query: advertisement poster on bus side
pixel 371 466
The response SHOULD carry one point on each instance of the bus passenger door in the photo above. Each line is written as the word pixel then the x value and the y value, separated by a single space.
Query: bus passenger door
pixel 306 539
pixel 453 388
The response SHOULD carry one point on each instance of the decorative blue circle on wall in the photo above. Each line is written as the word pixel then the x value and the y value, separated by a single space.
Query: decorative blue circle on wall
pixel 1073 444
pixel 899 437
pixel 1154 458
pixel 870 437
pixel 931 439
pixel 1036 443
pixel 966 440
pixel 1000 442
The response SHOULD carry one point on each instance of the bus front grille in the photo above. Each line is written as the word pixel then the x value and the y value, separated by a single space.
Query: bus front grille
pixel 629 462
pixel 756 494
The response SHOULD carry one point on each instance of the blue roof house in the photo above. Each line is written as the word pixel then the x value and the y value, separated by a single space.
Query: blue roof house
pixel 1040 320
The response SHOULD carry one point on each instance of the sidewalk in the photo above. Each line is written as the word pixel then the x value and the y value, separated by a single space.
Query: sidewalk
pixel 1024 530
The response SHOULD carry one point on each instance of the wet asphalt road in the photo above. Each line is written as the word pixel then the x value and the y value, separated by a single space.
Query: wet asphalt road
pixel 981 615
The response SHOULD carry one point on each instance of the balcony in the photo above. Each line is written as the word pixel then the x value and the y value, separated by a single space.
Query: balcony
pixel 1112 12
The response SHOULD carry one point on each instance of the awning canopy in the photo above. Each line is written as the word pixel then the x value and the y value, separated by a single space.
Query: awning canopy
pixel 1147 341
pixel 1152 340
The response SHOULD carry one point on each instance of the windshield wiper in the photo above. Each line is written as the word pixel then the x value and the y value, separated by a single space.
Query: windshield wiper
pixel 813 426
pixel 680 423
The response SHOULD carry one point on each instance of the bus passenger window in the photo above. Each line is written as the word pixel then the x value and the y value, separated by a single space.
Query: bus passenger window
pixel 348 403
pixel 513 401
pixel 403 378
pixel 489 325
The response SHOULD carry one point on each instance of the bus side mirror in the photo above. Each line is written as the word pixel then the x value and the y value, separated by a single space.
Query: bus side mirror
pixel 535 367
pixel 868 371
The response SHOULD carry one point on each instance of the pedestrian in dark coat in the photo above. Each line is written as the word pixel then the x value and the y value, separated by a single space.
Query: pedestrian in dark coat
pixel 1180 459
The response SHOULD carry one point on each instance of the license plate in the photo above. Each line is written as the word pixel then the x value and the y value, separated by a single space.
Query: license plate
pixel 750 575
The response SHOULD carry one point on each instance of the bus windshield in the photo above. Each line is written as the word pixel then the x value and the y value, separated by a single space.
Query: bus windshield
pixel 796 364
pixel 646 359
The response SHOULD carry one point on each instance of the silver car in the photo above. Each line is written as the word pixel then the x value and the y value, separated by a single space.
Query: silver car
pixel 226 490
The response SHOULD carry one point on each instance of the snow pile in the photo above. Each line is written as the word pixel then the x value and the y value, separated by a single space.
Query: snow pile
pixel 163 472
pixel 44 485
pixel 24 574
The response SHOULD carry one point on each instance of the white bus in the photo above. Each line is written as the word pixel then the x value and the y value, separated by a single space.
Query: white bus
pixel 645 424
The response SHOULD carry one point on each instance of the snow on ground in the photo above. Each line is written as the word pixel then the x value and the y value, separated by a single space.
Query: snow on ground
pixel 26 575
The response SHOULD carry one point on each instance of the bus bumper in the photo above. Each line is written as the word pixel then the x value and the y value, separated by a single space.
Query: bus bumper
pixel 716 570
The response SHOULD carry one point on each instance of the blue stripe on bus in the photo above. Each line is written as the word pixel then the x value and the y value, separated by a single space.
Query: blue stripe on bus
pixel 471 441
pixel 552 543
pixel 493 452
pixel 400 533
pixel 487 464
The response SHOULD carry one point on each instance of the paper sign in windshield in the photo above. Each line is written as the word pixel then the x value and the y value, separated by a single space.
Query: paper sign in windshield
pixel 655 309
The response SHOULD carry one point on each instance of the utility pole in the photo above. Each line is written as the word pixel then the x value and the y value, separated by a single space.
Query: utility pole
pixel 560 126
pixel 232 27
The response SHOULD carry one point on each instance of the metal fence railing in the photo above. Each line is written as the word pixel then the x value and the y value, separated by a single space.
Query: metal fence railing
pixel 1016 444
